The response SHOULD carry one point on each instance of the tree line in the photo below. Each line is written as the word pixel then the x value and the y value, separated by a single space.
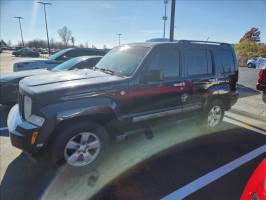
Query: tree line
pixel 67 40
pixel 250 46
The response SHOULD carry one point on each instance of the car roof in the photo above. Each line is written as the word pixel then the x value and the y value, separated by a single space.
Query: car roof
pixel 88 57
pixel 183 43
pixel 85 49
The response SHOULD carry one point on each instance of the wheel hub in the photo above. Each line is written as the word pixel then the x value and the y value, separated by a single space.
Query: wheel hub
pixel 214 116
pixel 82 149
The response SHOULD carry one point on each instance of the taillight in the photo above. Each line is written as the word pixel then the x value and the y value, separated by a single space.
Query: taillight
pixel 262 76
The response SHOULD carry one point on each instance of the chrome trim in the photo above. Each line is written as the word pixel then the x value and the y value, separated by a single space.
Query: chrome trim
pixel 181 84
pixel 188 107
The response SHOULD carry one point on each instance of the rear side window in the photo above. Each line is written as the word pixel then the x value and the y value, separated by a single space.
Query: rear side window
pixel 167 61
pixel 198 62
pixel 224 61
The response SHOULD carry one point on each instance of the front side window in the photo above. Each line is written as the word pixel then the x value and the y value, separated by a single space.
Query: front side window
pixel 122 60
pixel 167 61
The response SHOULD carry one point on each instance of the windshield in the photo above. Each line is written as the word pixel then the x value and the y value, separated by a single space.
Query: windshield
pixel 58 54
pixel 122 60
pixel 68 64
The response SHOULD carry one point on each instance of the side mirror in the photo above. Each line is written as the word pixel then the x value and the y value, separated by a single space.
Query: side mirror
pixel 154 75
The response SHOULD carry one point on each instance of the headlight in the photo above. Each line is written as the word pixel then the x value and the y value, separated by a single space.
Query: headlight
pixel 27 107
pixel 34 119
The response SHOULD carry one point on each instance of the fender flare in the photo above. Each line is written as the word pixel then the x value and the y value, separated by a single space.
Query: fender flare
pixel 63 111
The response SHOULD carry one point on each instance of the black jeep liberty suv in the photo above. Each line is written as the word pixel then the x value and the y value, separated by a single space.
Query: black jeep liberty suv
pixel 71 116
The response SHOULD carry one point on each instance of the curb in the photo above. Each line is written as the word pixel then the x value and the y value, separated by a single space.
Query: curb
pixel 251 115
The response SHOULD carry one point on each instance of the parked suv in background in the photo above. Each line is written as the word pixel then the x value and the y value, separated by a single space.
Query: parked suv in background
pixel 26 52
pixel 72 117
pixel 57 58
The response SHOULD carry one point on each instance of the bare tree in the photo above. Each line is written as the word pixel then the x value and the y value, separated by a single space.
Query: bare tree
pixel 65 35
pixel 73 41
pixel 86 45
pixel 9 44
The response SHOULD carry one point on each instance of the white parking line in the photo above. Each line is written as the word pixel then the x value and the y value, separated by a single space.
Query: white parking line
pixel 244 125
pixel 214 175
pixel 3 129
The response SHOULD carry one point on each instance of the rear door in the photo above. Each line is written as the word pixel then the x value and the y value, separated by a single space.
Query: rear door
pixel 200 75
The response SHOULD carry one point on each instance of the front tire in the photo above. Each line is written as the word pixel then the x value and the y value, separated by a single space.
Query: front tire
pixel 250 65
pixel 79 144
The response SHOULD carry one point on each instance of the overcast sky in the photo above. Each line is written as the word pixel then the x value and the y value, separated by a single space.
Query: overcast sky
pixel 98 22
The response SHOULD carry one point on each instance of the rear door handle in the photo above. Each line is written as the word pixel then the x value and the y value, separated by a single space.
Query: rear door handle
pixel 180 84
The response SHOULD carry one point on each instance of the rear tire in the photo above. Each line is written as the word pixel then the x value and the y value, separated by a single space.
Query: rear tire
pixel 79 144
pixel 213 115
pixel 250 65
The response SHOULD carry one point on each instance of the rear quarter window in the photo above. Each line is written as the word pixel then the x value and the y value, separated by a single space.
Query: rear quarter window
pixel 224 61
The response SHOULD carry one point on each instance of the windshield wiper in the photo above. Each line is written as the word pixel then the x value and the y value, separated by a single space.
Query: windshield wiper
pixel 107 71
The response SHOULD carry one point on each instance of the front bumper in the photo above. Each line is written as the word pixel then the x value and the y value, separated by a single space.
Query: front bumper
pixel 261 87
pixel 21 132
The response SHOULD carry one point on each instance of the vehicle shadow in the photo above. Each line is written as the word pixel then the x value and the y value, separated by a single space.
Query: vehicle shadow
pixel 246 91
pixel 25 179
pixel 4 110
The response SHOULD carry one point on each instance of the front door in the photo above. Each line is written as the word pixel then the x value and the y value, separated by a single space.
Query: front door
pixel 164 96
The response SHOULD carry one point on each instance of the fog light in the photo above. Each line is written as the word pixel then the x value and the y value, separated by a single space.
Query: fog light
pixel 34 137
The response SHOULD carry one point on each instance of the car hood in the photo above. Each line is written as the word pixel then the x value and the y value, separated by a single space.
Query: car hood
pixel 68 81
pixel 21 74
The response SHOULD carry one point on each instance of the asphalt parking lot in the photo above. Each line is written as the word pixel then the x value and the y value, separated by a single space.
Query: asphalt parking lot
pixel 170 163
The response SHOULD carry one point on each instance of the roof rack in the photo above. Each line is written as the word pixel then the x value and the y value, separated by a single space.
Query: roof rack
pixel 202 42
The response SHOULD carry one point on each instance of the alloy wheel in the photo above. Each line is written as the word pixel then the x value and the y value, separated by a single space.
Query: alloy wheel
pixel 82 149
pixel 214 116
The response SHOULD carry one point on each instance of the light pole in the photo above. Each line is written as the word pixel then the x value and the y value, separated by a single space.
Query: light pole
pixel 44 9
pixel 164 17
pixel 119 36
pixel 19 18
pixel 172 24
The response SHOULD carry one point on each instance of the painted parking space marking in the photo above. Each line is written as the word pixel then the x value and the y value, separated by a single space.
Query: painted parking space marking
pixel 214 175
pixel 244 125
